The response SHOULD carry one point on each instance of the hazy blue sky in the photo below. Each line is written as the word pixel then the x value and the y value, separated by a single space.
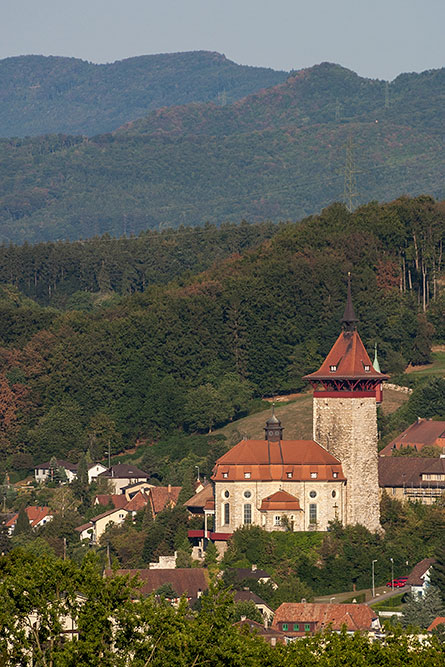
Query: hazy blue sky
pixel 378 38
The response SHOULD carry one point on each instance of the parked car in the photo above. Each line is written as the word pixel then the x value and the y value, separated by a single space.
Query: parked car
pixel 397 583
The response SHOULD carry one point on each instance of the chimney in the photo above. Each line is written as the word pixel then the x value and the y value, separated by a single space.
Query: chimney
pixel 169 488
pixel 243 618
pixel 253 568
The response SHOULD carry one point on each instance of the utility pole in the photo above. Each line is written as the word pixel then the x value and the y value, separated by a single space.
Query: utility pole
pixel 373 577
pixel 387 95
pixel 337 109
pixel 350 185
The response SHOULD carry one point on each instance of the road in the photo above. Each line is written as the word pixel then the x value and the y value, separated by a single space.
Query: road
pixel 382 593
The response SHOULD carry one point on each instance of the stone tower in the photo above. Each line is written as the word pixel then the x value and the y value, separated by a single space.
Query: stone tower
pixel 345 418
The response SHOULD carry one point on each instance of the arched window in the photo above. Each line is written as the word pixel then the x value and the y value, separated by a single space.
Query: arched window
pixel 312 513
pixel 226 513
pixel 247 513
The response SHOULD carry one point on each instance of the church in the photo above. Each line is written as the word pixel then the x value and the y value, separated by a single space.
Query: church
pixel 302 485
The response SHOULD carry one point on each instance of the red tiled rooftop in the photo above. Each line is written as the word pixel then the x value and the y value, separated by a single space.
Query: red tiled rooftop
pixel 164 496
pixel 355 617
pixel 138 502
pixel 281 500
pixel 415 577
pixel 423 433
pixel 288 459
pixel 439 620
pixel 34 513
pixel 117 499
pixel 349 356
pixel 200 499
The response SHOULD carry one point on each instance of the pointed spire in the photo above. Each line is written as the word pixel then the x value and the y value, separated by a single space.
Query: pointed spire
pixel 376 361
pixel 349 319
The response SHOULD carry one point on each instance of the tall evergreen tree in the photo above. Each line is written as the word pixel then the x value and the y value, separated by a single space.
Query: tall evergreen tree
pixel 438 572
pixel 22 525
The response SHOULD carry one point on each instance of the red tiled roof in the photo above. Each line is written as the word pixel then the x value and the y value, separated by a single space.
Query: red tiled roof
pixel 353 616
pixel 349 356
pixel 439 620
pixel 273 461
pixel 34 513
pixel 138 502
pixel 415 577
pixel 423 433
pixel 117 499
pixel 164 496
pixel 281 500
pixel 184 581
pixel 257 628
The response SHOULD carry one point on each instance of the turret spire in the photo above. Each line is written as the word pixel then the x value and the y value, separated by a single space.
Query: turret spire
pixel 349 319
pixel 376 361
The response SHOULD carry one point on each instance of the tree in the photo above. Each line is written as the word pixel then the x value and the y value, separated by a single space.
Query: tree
pixel 420 611
pixel 438 572
pixel 22 525
pixel 63 501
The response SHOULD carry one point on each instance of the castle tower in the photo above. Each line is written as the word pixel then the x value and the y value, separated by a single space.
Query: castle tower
pixel 345 418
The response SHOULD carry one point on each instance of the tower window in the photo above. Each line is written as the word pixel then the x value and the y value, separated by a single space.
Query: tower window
pixel 247 513
pixel 226 513
pixel 333 368
pixel 367 368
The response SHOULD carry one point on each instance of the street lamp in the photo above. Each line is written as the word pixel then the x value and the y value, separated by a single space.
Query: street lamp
pixel 197 467
pixel 373 577
pixel 392 573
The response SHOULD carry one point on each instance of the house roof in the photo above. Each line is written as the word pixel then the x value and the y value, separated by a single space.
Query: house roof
pixel 353 616
pixel 163 496
pixel 407 471
pixel 61 463
pixel 259 629
pixel 349 357
pixel 117 499
pixel 184 581
pixel 439 620
pixel 138 502
pixel 124 471
pixel 274 460
pixel 199 500
pixel 281 500
pixel 108 513
pixel 83 527
pixel 249 596
pixel 34 513
pixel 423 433
pixel 415 577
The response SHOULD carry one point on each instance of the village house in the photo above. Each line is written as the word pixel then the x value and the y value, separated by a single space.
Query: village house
pixel 37 516
pixel 95 528
pixel 45 471
pixel 423 433
pixel 122 475
pixel 303 618
pixel 94 470
pixel 412 478
pixel 271 635
pixel 419 577
pixel 163 497
pixel 190 582
pixel 248 596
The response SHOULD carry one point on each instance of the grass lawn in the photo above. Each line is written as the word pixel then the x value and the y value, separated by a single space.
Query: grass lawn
pixel 437 367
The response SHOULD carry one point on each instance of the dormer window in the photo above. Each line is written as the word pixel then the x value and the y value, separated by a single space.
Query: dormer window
pixel 314 475
pixel 333 368
pixel 247 475
pixel 289 475
pixel 225 475
pixel 367 368
pixel 335 474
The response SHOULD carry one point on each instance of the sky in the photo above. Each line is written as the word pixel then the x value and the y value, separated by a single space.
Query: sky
pixel 377 38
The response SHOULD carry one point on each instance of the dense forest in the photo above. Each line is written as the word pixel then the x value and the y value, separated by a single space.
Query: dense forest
pixel 46 95
pixel 149 358
pixel 277 154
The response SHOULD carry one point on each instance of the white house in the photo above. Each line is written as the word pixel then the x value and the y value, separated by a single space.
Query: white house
pixel 45 471
pixel 94 470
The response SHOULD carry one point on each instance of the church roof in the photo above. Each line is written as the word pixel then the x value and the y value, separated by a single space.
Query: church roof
pixel 350 360
pixel 281 500
pixel 283 460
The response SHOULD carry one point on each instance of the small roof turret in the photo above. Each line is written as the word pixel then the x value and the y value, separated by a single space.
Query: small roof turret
pixel 273 429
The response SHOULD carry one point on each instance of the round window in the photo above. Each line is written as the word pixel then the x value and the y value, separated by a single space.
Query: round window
pixel 247 494
pixel 312 494
pixel 334 494
pixel 226 494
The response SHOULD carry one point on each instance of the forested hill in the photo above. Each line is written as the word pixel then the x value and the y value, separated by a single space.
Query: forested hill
pixel 46 95
pixel 277 154
pixel 190 355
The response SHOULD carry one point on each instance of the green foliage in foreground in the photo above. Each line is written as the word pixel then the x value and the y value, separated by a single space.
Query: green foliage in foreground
pixel 115 631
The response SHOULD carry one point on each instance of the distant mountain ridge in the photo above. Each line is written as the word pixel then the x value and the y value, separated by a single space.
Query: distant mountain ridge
pixel 49 94
pixel 276 154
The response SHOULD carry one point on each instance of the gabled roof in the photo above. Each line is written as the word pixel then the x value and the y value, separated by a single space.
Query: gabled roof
pixel 415 577
pixel 164 496
pixel 439 620
pixel 259 629
pixel 349 357
pixel 284 460
pixel 108 513
pixel 407 471
pixel 281 500
pixel 423 433
pixel 184 581
pixel 34 513
pixel 355 617
pixel 124 471
pixel 249 596
pixel 83 527
pixel 138 502
pixel 242 573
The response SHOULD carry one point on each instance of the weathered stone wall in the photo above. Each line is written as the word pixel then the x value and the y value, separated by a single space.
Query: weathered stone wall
pixel 329 507
pixel 347 428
